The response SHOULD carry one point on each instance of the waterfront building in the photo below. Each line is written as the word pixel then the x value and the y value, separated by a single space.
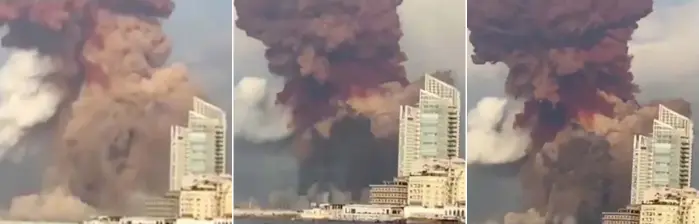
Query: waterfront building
pixel 429 190
pixel 662 159
pixel 363 212
pixel 200 147
pixel 431 128
pixel 659 206
pixel 627 215
pixel 323 211
pixel 389 193
pixel 166 206
pixel 445 213
pixel 206 197
pixel 438 182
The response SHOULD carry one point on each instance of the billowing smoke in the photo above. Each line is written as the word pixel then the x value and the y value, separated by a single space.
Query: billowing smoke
pixel 493 140
pixel 27 96
pixel 569 61
pixel 289 199
pixel 53 205
pixel 531 216
pixel 258 118
pixel 114 95
pixel 562 56
pixel 344 82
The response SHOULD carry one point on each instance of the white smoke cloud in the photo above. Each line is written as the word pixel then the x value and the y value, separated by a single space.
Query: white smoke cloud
pixel 487 144
pixel 257 116
pixel 27 98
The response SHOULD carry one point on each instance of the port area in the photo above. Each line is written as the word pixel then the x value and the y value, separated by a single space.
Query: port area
pixel 291 215
pixel 265 214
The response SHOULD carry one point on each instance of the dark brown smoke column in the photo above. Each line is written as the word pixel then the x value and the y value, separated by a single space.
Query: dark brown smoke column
pixel 330 52
pixel 570 61
pixel 113 130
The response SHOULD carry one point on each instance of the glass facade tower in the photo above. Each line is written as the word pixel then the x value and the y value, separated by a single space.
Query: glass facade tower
pixel 662 159
pixel 199 148
pixel 431 128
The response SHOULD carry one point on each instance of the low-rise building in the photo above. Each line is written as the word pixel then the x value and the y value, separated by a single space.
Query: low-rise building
pixel 363 212
pixel 389 193
pixel 206 198
pixel 665 212
pixel 449 212
pixel 428 190
pixel 627 215
pixel 659 206
pixel 166 206
pixel 323 211
pixel 439 183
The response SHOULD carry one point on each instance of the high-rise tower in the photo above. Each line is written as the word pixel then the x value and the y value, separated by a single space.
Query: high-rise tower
pixel 430 129
pixel 199 148
pixel 663 159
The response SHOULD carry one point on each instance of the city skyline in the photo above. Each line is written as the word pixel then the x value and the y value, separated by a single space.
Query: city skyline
pixel 430 174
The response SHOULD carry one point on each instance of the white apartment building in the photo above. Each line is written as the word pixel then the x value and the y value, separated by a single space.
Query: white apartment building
pixel 662 159
pixel 207 197
pixel 199 148
pixel 430 129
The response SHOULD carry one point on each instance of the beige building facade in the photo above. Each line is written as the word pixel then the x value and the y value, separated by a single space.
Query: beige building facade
pixel 207 198
pixel 628 215
pixel 660 206
pixel 444 177
pixel 429 190
pixel 166 206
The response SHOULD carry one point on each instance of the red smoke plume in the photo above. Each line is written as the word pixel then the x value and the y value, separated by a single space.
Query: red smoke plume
pixel 114 125
pixel 561 55
pixel 326 49
pixel 342 62
pixel 569 60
